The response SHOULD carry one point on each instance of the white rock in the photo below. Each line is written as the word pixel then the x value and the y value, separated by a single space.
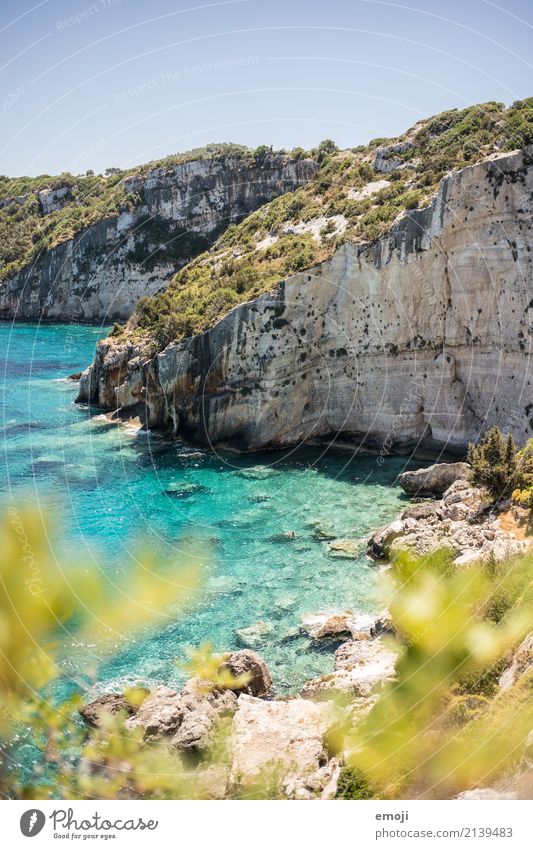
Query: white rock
pixel 286 735
pixel 361 667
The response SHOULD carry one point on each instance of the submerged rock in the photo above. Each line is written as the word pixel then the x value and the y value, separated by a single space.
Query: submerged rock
pixel 349 548
pixel 257 473
pixel 254 635
pixel 186 490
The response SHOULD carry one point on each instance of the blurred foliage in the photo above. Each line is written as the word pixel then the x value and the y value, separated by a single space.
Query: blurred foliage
pixel 209 667
pixel 434 731
pixel 40 605
pixel 442 726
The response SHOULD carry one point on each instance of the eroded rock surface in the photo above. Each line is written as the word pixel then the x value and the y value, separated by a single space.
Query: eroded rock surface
pixel 286 738
pixel 360 669
pixel 434 480
pixel 178 212
pixel 189 718
pixel 421 338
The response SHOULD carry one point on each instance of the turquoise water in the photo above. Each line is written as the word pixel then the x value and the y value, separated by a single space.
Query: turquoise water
pixel 265 516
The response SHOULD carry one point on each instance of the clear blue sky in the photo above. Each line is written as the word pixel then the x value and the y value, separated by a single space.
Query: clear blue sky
pixel 118 82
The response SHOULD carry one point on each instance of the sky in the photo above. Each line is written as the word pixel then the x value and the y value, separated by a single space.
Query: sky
pixel 89 85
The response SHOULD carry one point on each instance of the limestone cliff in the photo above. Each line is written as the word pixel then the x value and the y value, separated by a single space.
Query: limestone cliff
pixel 175 213
pixel 422 337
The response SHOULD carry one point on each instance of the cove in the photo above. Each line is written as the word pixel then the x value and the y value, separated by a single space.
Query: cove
pixel 270 519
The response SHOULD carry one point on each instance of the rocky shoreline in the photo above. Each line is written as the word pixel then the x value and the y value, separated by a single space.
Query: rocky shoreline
pixel 463 520
pixel 288 736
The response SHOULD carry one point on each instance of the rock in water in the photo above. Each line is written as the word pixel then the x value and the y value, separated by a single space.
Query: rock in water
pixel 107 704
pixel 337 625
pixel 434 480
pixel 250 665
pixel 379 545
pixel 253 635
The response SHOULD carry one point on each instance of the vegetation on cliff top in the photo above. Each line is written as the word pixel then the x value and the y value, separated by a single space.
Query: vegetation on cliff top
pixel 355 196
pixel 27 226
pixel 347 200
pixel 501 468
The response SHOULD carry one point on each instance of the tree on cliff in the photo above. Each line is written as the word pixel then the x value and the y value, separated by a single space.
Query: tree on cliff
pixel 494 463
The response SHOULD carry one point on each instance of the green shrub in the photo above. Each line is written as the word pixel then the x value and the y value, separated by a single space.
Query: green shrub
pixel 494 463
pixel 353 785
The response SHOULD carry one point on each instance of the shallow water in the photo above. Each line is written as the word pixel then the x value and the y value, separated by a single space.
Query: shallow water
pixel 265 515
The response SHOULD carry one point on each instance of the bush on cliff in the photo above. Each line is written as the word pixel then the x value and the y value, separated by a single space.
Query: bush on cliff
pixel 494 463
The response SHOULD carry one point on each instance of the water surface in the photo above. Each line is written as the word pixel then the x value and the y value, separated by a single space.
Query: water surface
pixel 269 518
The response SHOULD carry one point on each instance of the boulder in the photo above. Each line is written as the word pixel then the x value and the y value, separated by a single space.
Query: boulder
pixel 286 737
pixel 383 625
pixel 337 625
pixel 434 480
pixel 461 501
pixel 160 714
pixel 361 667
pixel 380 543
pixel 189 718
pixel 426 510
pixel 461 522
pixel 106 704
pixel 250 665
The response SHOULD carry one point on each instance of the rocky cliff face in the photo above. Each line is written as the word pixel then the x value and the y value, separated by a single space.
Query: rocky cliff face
pixel 422 337
pixel 101 273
